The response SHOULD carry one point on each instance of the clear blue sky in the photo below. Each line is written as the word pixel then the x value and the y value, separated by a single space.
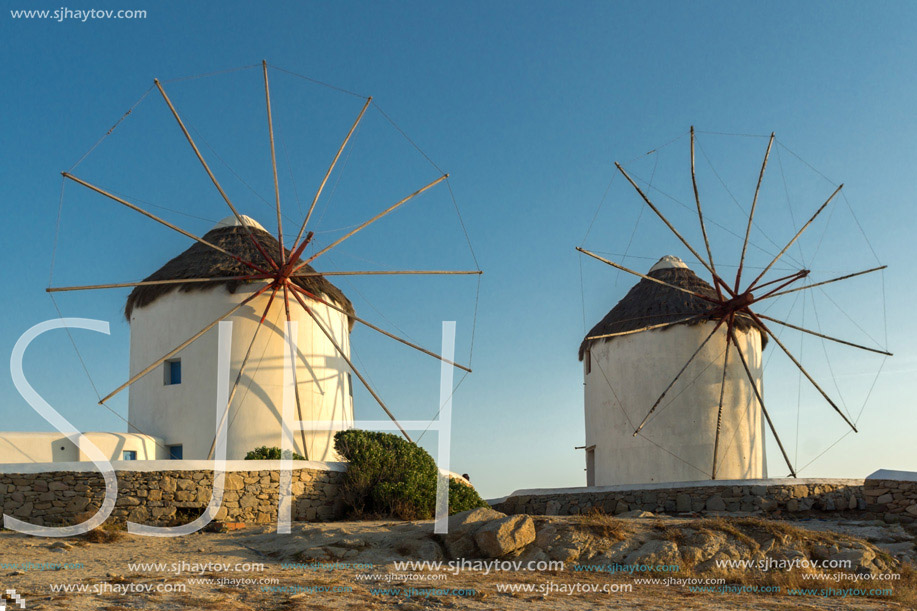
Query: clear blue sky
pixel 526 104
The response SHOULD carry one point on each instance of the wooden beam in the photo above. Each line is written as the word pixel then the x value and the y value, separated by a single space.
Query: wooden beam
pixel 839 278
pixel 823 336
pixel 150 215
pixel 751 214
pixel 337 308
pixel 213 178
pixel 671 227
pixel 795 237
pixel 372 220
pixel 700 216
pixel 645 277
pixel 270 129
pixel 675 379
pixel 235 385
pixel 760 322
pixel 184 344
pixel 334 161
pixel 90 287
pixel 350 364
pixel 719 412
pixel 754 386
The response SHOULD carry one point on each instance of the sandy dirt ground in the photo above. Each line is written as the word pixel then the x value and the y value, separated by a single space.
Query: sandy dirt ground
pixel 256 568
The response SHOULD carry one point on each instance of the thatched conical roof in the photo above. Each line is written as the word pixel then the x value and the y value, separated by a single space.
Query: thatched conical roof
pixel 650 303
pixel 201 261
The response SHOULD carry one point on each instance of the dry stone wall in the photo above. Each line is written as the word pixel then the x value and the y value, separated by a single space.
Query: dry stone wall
pixel 896 498
pixel 164 498
pixel 794 497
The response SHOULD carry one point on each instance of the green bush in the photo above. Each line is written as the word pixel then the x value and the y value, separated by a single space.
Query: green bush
pixel 389 476
pixel 266 453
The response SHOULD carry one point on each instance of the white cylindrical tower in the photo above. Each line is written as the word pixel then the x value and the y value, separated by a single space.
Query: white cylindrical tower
pixel 625 375
pixel 177 401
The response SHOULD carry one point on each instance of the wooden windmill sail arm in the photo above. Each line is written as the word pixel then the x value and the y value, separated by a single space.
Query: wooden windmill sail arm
pixel 642 329
pixel 703 227
pixel 235 385
pixel 302 431
pixel 90 287
pixel 412 272
pixel 751 214
pixel 823 336
pixel 366 224
pixel 824 282
pixel 644 276
pixel 150 215
pixel 776 339
pixel 672 229
pixel 270 129
pixel 754 386
pixel 184 344
pixel 337 308
pixel 334 161
pixel 213 178
pixel 795 237
pixel 347 360
pixel 675 379
pixel 719 411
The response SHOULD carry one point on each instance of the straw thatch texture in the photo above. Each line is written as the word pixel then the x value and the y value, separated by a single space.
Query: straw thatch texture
pixel 650 303
pixel 201 261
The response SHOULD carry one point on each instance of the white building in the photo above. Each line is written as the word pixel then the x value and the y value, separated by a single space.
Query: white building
pixel 177 402
pixel 172 409
pixel 625 375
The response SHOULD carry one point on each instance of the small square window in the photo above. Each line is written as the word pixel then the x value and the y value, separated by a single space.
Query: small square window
pixel 129 455
pixel 175 452
pixel 172 372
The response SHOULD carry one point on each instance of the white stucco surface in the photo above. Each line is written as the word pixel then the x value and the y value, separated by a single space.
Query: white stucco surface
pixel 185 414
pixel 627 375
pixel 901 476
pixel 45 447
pixel 172 465
pixel 778 481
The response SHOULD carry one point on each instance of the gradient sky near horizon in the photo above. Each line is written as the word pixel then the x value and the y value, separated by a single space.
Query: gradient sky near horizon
pixel 526 105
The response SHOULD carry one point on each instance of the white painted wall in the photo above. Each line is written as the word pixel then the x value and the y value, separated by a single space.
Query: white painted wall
pixel 44 447
pixel 638 367
pixel 185 414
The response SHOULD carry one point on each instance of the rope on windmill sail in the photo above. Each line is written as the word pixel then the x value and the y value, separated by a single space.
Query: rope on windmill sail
pixel 111 129
pixel 732 134
pixel 406 137
pixel 739 206
pixel 60 209
pixel 633 233
pixel 855 421
pixel 710 220
pixel 824 346
pixel 209 74
pixel 615 174
pixel 351 145
pixel 318 82
pixel 802 342
pixel 92 383
pixel 789 206
pixel 232 171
